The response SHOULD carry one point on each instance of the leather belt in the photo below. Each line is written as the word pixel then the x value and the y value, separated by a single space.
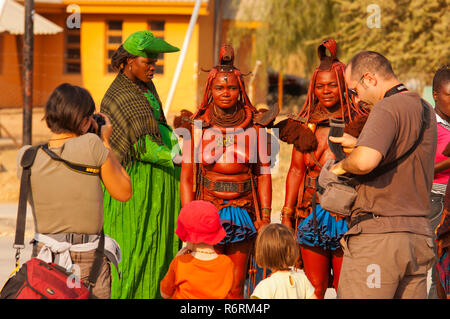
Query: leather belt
pixel 74 238
pixel 230 187
pixel 356 220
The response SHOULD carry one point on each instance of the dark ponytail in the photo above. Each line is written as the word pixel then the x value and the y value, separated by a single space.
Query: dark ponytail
pixel 119 59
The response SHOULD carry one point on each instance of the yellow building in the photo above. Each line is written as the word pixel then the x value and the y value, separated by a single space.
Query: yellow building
pixel 93 29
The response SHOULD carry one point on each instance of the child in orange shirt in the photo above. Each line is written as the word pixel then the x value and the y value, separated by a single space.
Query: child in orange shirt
pixel 198 272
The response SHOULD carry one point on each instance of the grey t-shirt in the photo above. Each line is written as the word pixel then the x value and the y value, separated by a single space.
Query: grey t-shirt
pixel 63 200
pixel 401 194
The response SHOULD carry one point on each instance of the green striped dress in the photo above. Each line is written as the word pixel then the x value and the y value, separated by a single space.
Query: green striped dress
pixel 145 226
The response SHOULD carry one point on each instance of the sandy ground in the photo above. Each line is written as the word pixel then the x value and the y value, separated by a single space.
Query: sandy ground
pixel 11 120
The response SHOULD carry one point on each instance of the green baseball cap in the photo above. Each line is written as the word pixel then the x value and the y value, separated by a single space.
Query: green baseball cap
pixel 145 44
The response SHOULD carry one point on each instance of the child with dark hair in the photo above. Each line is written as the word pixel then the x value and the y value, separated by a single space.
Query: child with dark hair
pixel 198 271
pixel 276 249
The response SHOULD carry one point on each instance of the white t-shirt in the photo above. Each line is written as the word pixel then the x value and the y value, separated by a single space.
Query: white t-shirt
pixel 285 285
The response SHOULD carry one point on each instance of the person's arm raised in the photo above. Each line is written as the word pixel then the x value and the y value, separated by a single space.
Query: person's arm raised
pixel 115 178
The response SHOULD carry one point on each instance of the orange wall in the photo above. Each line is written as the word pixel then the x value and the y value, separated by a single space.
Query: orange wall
pixel 48 67
pixel 49 58
pixel 97 80
pixel 10 93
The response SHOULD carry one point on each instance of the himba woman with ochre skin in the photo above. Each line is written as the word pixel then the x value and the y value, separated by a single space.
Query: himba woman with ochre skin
pixel 145 145
pixel 327 98
pixel 240 188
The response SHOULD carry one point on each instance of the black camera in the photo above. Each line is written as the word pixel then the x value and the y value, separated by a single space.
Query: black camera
pixel 100 122
pixel 337 130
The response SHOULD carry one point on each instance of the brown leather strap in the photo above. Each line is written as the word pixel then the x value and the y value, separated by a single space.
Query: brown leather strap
pixel 255 196
pixel 313 156
pixel 230 187
pixel 310 181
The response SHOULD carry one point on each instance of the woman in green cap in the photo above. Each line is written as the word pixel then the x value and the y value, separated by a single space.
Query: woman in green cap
pixel 144 227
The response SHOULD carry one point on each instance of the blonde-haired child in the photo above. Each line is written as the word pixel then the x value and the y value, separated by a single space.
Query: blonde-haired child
pixel 277 249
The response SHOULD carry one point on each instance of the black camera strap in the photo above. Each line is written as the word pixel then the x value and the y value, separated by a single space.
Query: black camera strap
pixel 396 89
pixel 84 169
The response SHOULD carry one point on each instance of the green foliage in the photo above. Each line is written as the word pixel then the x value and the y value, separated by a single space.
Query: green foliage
pixel 290 27
pixel 413 34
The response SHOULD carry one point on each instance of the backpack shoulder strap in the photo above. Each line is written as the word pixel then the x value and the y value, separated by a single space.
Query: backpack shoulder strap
pixel 26 162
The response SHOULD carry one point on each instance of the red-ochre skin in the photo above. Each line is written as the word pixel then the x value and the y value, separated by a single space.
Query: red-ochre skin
pixel 316 261
pixel 228 164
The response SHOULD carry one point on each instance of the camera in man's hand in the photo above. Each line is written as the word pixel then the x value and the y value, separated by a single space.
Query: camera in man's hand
pixel 100 122
pixel 336 130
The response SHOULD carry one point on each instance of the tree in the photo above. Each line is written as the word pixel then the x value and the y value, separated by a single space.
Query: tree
pixel 288 28
pixel 412 34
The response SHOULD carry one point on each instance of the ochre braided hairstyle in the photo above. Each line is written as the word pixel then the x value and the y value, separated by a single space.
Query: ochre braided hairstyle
pixel 349 109
pixel 226 64
pixel 296 131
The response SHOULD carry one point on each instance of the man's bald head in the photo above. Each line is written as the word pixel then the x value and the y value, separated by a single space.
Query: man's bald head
pixel 373 62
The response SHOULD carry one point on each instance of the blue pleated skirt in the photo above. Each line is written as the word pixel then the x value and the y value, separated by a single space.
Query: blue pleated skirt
pixel 330 230
pixel 237 224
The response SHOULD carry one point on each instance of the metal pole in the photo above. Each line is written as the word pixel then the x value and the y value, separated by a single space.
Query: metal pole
pixel 217 29
pixel 28 49
pixel 187 39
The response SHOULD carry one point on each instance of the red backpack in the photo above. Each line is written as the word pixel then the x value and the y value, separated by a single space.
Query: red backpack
pixel 37 279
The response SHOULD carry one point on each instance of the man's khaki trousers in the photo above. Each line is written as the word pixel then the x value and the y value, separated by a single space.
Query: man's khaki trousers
pixel 390 265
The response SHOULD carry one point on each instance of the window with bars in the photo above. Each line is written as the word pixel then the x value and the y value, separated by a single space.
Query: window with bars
pixel 157 28
pixel 113 40
pixel 72 54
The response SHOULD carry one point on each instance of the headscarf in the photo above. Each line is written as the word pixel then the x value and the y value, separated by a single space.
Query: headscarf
pixel 145 44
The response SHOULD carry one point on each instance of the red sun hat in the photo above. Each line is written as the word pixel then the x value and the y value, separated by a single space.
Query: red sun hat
pixel 199 222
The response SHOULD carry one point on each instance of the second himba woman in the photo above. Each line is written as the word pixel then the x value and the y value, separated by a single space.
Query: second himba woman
pixel 327 98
